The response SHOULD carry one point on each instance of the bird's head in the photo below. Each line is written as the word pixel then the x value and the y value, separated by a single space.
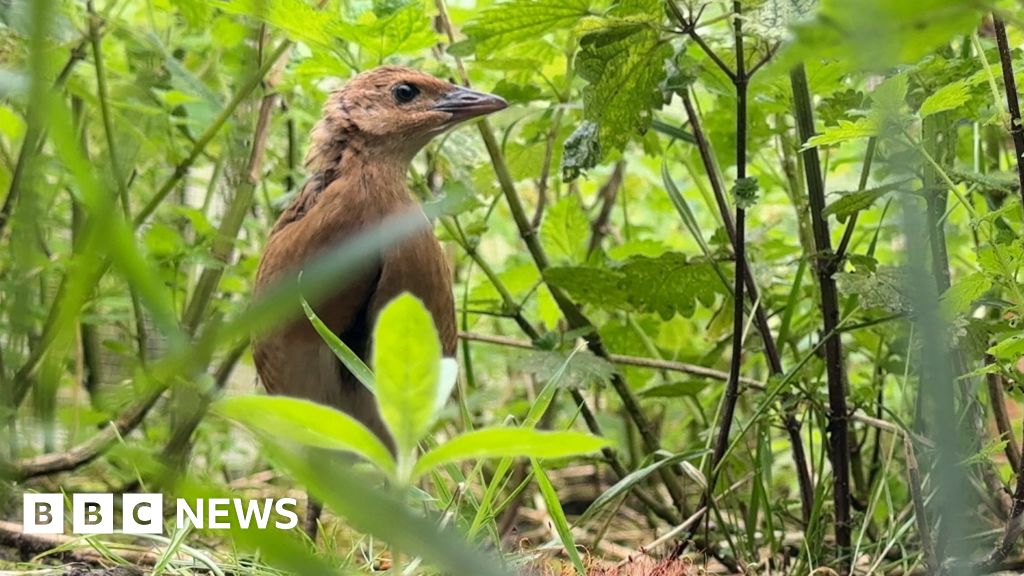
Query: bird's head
pixel 395 111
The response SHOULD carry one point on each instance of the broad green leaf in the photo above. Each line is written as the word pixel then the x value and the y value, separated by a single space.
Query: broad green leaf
pixel 852 202
pixel 350 359
pixel 404 31
pixel 1010 349
pixel 565 230
pixel 407 359
pixel 961 295
pixel 623 61
pixel 949 97
pixel 554 506
pixel 884 289
pixel 579 369
pixel 508 23
pixel 508 443
pixel 283 418
pixel 845 131
pixel 674 389
pixel 297 19
pixel 665 285
pixel 879 34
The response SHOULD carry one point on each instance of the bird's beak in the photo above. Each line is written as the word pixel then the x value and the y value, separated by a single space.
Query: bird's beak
pixel 463 104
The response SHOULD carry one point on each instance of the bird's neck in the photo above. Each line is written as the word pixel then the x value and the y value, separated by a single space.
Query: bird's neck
pixel 347 156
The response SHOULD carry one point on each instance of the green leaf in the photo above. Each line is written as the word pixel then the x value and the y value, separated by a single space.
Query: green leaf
pixel 884 289
pixel 674 389
pixel 744 192
pixel 877 35
pixel 578 370
pixel 407 359
pixel 665 285
pixel 303 422
pixel 1010 349
pixel 508 443
pixel 581 151
pixel 297 19
pixel 623 486
pixel 949 97
pixel 565 230
pixel 510 23
pixel 623 61
pixel 852 202
pixel 404 31
pixel 350 359
pixel 958 299
pixel 845 131
pixel 554 507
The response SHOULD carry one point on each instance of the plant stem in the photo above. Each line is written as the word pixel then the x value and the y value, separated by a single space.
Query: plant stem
pixel 138 312
pixel 771 351
pixel 838 417
pixel 1012 101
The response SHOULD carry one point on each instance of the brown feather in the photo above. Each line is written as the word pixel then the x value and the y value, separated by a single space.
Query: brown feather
pixel 359 156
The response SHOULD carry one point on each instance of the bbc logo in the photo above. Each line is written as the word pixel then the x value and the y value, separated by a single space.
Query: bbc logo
pixel 92 514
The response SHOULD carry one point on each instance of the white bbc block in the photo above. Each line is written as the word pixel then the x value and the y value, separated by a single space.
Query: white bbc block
pixel 92 513
pixel 142 514
pixel 42 514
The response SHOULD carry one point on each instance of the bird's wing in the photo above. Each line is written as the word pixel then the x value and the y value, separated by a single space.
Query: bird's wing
pixel 419 266
pixel 292 359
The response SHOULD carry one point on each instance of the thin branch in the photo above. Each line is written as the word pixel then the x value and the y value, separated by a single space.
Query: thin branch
pixel 997 399
pixel 637 361
pixel 545 170
pixel 1012 101
pixel 606 196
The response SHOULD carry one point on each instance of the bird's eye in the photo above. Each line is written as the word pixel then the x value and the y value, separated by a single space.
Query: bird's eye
pixel 405 92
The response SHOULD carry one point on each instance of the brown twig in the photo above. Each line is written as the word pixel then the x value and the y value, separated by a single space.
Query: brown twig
pixel 607 195
pixel 997 399
pixel 13 535
pixel 920 514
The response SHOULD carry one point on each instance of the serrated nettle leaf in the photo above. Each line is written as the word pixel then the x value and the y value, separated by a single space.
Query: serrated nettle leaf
pixel 623 61
pixel 744 192
pixel 508 443
pixel 845 131
pixel 581 370
pixel 404 31
pixel 772 18
pixel 949 97
pixel 283 418
pixel 565 230
pixel 299 20
pixel 851 202
pixel 884 289
pixel 509 23
pixel 407 360
pixel 666 285
pixel 581 151
pixel 958 299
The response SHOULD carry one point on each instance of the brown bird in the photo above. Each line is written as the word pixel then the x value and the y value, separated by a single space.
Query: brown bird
pixel 359 156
